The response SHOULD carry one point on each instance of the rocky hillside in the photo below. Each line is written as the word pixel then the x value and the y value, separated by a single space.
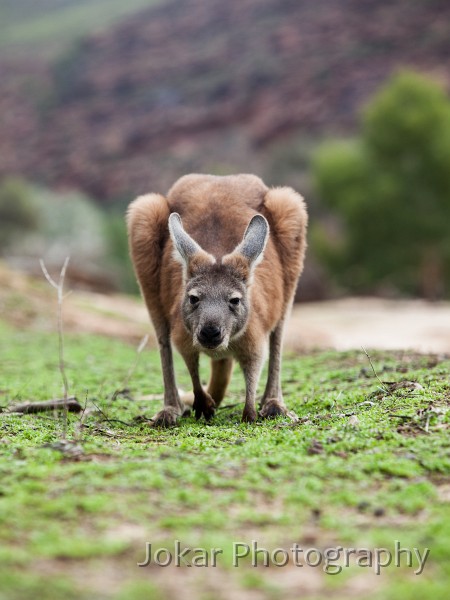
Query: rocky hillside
pixel 207 85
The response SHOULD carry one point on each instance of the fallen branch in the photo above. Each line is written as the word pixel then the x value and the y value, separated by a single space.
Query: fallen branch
pixel 71 404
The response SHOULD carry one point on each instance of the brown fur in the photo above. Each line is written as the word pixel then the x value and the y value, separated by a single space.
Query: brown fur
pixel 215 212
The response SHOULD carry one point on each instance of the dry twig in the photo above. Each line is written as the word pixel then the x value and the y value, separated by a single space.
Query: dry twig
pixel 59 287
pixel 383 388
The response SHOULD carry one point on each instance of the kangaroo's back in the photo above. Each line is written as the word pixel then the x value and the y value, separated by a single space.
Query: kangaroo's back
pixel 216 209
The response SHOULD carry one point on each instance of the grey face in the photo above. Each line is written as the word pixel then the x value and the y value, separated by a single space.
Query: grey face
pixel 215 305
pixel 215 308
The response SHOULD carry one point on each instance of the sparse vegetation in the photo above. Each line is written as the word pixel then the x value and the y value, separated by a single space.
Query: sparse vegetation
pixel 91 505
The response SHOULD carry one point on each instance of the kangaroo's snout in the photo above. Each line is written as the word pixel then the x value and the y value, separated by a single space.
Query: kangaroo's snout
pixel 210 336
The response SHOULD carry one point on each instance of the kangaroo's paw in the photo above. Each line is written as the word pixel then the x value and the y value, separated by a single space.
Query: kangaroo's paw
pixel 167 417
pixel 204 405
pixel 274 408
pixel 249 415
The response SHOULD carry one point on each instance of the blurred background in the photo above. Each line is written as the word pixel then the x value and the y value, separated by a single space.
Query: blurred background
pixel 347 102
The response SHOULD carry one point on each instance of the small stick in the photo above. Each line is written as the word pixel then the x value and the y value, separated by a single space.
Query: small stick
pixel 385 390
pixel 60 289
pixel 228 406
pixel 106 419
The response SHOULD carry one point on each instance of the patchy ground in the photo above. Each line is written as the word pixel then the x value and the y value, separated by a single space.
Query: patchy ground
pixel 366 467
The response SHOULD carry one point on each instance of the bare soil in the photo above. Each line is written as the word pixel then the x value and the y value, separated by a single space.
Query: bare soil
pixel 336 324
pixel 372 323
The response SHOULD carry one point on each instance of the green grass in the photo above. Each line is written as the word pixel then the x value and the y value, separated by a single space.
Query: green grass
pixel 74 524
pixel 49 26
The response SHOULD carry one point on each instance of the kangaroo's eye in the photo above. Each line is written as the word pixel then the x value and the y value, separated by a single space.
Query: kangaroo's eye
pixel 194 299
pixel 235 301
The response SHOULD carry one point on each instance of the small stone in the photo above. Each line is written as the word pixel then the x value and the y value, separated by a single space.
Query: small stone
pixel 239 441
pixel 315 448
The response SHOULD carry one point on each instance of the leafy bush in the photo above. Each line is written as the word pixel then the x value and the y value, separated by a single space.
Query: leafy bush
pixel 119 258
pixel 391 186
pixel 17 212
pixel 40 223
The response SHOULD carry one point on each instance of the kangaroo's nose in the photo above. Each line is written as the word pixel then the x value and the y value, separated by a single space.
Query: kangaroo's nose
pixel 210 334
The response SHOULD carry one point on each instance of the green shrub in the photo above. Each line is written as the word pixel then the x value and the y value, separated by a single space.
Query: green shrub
pixel 119 258
pixel 17 212
pixel 391 186
pixel 36 222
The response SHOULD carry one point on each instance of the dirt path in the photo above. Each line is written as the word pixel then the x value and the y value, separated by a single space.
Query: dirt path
pixel 372 323
pixel 339 324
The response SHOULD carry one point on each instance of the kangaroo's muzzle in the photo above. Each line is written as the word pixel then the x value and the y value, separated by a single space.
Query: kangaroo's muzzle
pixel 210 336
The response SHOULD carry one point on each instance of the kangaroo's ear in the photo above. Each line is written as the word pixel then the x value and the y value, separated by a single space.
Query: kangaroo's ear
pixel 184 244
pixel 250 251
pixel 187 251
pixel 254 240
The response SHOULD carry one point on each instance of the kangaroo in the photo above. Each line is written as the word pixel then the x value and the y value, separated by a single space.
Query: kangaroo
pixel 218 261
